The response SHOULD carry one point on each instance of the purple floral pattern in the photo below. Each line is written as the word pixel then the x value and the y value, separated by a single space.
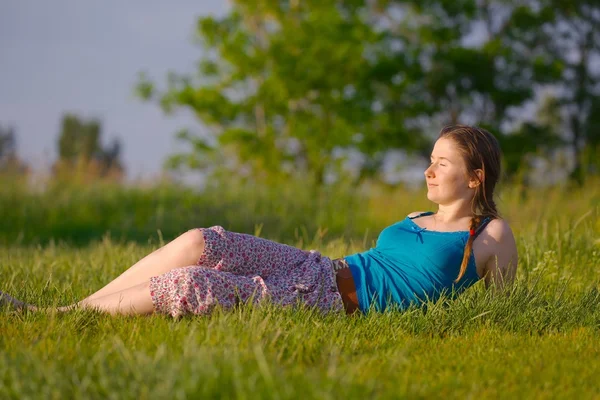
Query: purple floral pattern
pixel 237 267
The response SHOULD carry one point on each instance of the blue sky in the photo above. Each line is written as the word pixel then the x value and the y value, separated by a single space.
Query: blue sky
pixel 84 57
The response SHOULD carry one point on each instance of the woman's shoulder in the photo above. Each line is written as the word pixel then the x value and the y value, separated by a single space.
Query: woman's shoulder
pixel 498 237
pixel 498 229
pixel 499 252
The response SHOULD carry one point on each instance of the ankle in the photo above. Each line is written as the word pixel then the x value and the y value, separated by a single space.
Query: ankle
pixel 6 300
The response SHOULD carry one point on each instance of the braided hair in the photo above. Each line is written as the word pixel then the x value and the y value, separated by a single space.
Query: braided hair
pixel 480 150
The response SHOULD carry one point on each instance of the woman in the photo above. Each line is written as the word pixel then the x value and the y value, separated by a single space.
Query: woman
pixel 418 258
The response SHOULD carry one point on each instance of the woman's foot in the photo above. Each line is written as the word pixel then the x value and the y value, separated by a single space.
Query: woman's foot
pixel 11 302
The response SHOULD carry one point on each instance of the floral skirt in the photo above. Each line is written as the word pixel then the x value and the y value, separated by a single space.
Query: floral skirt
pixel 237 267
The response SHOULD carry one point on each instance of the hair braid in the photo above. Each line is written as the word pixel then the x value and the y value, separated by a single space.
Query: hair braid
pixel 475 221
pixel 480 150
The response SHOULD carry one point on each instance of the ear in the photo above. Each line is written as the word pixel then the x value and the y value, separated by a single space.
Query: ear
pixel 476 178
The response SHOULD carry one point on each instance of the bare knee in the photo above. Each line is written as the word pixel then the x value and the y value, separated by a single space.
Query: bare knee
pixel 194 238
pixel 192 243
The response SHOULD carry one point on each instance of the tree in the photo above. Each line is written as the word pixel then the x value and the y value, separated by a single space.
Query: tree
pixel 10 164
pixel 567 34
pixel 472 68
pixel 80 150
pixel 285 86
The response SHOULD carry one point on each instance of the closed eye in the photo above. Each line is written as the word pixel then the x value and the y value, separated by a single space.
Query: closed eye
pixel 431 162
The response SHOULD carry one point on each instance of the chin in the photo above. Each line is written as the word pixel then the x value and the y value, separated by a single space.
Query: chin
pixel 432 197
pixel 437 199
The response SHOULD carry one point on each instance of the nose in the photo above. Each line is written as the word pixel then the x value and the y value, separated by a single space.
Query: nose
pixel 429 172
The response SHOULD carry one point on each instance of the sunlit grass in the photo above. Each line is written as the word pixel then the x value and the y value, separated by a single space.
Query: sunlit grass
pixel 538 340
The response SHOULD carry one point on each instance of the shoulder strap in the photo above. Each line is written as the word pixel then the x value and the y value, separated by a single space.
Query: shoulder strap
pixel 422 214
pixel 482 226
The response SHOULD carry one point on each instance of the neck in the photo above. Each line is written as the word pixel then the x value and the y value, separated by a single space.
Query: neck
pixel 454 213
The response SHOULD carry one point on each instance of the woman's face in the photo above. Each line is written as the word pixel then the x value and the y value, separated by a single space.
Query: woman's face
pixel 446 176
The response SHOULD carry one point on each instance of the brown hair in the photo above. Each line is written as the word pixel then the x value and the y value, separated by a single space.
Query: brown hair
pixel 480 150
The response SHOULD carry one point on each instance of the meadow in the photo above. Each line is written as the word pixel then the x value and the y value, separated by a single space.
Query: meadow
pixel 539 339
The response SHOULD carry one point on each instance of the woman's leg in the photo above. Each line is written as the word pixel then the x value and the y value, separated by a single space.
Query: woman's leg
pixel 135 300
pixel 248 255
pixel 6 300
pixel 197 290
pixel 231 261
pixel 188 290
pixel 185 250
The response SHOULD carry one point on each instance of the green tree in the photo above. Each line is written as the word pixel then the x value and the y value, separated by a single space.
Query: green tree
pixel 472 67
pixel 78 139
pixel 80 147
pixel 10 163
pixel 284 87
pixel 567 34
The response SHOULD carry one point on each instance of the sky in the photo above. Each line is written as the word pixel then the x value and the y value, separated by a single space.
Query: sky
pixel 84 57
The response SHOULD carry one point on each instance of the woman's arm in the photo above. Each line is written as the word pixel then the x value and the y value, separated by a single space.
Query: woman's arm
pixel 501 267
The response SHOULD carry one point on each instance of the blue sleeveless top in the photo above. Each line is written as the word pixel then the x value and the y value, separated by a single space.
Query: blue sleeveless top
pixel 410 264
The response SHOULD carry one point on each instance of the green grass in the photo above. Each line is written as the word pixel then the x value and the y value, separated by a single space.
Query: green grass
pixel 540 340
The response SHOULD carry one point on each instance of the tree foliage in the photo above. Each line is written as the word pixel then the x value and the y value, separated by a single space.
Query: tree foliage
pixel 285 88
pixel 81 154
pixel 567 34
pixel 10 163
pixel 290 87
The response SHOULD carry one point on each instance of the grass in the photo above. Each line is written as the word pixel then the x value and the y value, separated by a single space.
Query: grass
pixel 539 340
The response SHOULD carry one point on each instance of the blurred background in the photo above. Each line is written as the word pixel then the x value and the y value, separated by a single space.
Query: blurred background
pixel 67 57
pixel 263 103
